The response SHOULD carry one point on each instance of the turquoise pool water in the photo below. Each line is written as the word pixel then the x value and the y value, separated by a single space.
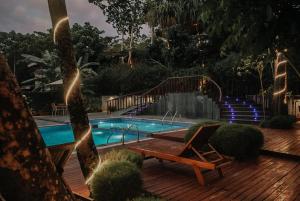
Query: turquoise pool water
pixel 108 131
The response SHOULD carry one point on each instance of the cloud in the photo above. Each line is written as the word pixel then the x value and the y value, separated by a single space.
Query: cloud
pixel 27 16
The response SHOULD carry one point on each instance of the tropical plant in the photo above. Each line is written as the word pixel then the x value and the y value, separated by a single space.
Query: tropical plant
pixel 46 70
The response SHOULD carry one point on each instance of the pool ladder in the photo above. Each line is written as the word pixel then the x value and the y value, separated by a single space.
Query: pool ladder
pixel 123 133
pixel 173 116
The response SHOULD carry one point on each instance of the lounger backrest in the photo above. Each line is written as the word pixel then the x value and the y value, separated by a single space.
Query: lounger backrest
pixel 200 138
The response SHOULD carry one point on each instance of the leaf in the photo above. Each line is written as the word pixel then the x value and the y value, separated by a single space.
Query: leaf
pixel 89 64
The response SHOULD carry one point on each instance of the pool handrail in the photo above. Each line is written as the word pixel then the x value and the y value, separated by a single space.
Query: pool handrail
pixel 137 128
pixel 110 129
pixel 174 117
pixel 162 120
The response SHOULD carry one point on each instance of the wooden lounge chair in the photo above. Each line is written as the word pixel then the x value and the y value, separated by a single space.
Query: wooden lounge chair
pixel 60 155
pixel 190 153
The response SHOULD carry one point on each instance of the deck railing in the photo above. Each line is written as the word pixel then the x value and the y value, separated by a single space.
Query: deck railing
pixel 184 84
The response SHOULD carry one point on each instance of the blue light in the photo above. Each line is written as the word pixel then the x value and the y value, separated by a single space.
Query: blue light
pixel 244 102
pixel 250 106
pixel 237 100
pixel 230 122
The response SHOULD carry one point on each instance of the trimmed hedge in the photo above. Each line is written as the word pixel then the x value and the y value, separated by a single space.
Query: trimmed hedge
pixel 124 155
pixel 116 180
pixel 238 140
pixel 146 199
pixel 279 122
pixel 191 131
pixel 282 122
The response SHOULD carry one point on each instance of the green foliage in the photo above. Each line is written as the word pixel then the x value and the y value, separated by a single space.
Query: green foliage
pixel 191 131
pixel 88 41
pixel 280 122
pixel 265 123
pixel 92 104
pixel 116 180
pixel 147 199
pixel 44 70
pixel 124 155
pixel 237 140
pixel 119 79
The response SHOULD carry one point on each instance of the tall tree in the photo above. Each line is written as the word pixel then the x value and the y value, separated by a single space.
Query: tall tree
pixel 26 169
pixel 86 150
pixel 126 17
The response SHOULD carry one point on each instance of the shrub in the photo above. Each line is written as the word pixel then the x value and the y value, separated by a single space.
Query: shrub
pixel 116 180
pixel 265 123
pixel 191 131
pixel 124 155
pixel 147 199
pixel 240 141
pixel 281 122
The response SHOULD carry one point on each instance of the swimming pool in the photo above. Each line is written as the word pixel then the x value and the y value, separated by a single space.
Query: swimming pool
pixel 108 131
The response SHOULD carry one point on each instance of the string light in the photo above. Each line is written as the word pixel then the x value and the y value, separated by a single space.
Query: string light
pixel 70 89
pixel 83 137
pixel 57 25
pixel 94 172
pixel 76 78
pixel 281 75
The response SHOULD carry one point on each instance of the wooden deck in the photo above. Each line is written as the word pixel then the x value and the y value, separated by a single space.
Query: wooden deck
pixel 267 178
pixel 282 142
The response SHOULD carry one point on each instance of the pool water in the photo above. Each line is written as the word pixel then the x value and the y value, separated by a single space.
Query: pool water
pixel 108 131
pixel 149 126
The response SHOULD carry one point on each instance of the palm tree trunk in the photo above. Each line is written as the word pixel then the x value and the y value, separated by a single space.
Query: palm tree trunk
pixel 26 168
pixel 86 151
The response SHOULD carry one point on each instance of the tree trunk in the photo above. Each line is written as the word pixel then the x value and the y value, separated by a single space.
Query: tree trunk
pixel 26 170
pixel 86 151
pixel 279 107
pixel 262 93
pixel 152 35
pixel 130 48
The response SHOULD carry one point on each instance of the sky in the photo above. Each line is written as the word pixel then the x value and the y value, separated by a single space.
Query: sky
pixel 26 16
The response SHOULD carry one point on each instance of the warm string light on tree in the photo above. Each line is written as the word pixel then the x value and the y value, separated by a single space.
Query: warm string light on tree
pixel 85 135
pixel 57 26
pixel 70 89
pixel 278 65
pixel 72 85
pixel 94 172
